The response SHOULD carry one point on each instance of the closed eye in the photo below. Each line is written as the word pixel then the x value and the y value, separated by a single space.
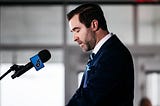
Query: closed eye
pixel 75 29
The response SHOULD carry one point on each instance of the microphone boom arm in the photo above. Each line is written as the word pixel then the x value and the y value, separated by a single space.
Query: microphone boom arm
pixel 12 68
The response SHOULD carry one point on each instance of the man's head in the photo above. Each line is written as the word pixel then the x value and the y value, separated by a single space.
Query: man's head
pixel 88 25
pixel 87 13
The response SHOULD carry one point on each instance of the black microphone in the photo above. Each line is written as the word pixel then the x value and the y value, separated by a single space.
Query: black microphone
pixel 36 61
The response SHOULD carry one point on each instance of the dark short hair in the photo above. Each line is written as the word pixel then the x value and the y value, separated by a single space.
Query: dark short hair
pixel 87 13
pixel 145 102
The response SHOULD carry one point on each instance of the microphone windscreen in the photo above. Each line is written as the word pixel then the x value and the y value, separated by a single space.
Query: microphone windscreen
pixel 44 55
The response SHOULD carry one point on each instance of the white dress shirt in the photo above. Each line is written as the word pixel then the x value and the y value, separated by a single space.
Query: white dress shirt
pixel 101 42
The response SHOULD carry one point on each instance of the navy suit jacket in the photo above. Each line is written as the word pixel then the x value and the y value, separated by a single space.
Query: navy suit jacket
pixel 110 81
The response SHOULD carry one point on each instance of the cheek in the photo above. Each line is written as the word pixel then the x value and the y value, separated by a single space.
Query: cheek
pixel 91 39
pixel 83 35
pixel 89 36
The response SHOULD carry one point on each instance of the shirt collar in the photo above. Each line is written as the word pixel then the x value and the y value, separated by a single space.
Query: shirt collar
pixel 101 42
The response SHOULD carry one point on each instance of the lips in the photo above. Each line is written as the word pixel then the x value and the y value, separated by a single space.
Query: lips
pixel 81 45
pixel 79 42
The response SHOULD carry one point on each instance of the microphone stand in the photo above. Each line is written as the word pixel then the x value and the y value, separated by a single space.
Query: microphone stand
pixel 12 68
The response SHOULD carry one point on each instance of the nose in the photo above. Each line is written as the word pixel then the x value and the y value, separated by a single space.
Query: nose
pixel 75 37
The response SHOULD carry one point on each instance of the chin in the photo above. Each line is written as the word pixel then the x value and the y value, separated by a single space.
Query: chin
pixel 85 50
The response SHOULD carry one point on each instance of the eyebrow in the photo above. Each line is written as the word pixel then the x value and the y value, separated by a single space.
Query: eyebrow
pixel 74 29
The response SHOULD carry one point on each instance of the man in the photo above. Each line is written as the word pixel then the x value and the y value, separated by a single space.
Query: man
pixel 109 76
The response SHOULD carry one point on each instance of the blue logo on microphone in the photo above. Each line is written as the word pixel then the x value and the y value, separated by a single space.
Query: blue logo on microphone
pixel 37 63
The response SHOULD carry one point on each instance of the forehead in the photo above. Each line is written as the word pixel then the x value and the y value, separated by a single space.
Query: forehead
pixel 74 22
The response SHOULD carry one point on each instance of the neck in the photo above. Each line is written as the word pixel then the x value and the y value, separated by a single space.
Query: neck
pixel 100 34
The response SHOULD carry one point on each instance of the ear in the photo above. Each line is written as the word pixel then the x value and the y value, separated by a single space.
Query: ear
pixel 94 25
